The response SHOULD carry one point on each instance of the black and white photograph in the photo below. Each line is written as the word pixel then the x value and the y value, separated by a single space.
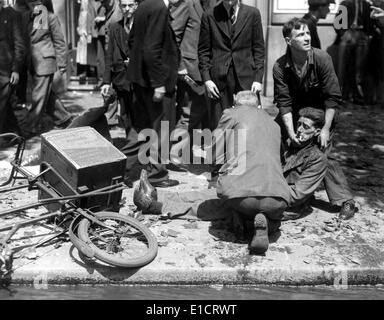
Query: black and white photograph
pixel 191 155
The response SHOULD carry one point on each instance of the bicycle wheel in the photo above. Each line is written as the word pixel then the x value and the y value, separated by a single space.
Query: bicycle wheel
pixel 130 245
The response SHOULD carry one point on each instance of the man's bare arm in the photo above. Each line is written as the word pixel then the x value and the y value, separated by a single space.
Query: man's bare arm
pixel 288 123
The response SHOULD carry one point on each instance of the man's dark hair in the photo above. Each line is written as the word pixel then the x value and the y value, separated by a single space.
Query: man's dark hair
pixel 48 4
pixel 314 7
pixel 294 23
pixel 316 115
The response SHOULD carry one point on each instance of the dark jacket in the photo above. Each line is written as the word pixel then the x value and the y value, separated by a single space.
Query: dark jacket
pixel 154 57
pixel 186 22
pixel 312 26
pixel 318 89
pixel 218 47
pixel 12 46
pixel 304 170
pixel 117 52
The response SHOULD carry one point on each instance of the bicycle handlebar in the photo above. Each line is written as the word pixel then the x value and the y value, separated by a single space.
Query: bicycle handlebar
pixel 11 136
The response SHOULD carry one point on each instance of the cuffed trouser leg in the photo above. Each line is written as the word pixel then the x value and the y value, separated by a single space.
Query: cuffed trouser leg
pixel 191 108
pixel 41 88
pixel 335 182
pixel 55 109
pixel 5 92
pixel 156 112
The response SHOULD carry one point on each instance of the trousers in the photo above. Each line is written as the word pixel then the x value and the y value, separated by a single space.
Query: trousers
pixel 353 54
pixel 272 207
pixel 5 93
pixel 335 182
pixel 191 108
pixel 226 97
pixel 155 113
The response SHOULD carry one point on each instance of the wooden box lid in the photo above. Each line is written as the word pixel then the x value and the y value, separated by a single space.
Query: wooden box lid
pixel 83 147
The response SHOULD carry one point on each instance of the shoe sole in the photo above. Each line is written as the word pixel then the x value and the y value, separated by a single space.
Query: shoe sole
pixel 165 184
pixel 260 241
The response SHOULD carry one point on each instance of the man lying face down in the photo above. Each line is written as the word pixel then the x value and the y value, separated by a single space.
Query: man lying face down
pixel 253 180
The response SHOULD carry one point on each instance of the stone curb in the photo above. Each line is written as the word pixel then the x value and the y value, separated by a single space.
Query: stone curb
pixel 336 276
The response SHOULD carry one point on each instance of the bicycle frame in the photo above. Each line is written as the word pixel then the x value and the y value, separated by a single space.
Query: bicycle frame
pixel 68 206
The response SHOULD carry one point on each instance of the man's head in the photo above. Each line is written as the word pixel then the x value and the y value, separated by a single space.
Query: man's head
pixel 309 125
pixel 1 4
pixel 297 35
pixel 128 7
pixel 320 8
pixel 246 98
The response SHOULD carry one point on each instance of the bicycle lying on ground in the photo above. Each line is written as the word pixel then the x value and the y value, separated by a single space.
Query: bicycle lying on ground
pixel 112 238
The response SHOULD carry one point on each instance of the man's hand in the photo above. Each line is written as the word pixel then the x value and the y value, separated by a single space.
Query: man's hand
pixel 213 91
pixel 324 138
pixel 105 89
pixel 377 13
pixel 183 72
pixel 99 19
pixel 14 78
pixel 295 142
pixel 158 95
pixel 256 87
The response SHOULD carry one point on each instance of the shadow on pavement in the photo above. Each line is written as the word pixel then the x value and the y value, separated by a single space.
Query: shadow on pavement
pixel 109 272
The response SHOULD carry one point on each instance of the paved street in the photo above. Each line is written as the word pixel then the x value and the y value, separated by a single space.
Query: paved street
pixel 309 251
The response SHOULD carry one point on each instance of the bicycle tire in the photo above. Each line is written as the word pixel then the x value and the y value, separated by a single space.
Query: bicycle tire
pixel 114 258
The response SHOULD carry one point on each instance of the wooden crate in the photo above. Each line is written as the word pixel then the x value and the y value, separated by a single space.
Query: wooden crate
pixel 86 161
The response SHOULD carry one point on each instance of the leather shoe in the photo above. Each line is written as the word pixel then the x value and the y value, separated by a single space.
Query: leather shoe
pixel 164 183
pixel 348 210
pixel 128 182
pixel 260 242
pixel 176 168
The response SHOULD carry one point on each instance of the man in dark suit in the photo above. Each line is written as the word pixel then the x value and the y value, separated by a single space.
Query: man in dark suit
pixel 117 59
pixel 318 9
pixel 12 55
pixel 191 102
pixel 154 59
pixel 231 53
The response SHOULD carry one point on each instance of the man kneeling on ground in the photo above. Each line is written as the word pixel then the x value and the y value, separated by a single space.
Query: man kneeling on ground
pixel 253 180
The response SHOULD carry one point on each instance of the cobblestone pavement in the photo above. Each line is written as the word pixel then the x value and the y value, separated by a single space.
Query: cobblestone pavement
pixel 313 250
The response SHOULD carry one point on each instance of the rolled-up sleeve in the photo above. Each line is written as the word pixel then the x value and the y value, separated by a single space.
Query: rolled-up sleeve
pixel 282 96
